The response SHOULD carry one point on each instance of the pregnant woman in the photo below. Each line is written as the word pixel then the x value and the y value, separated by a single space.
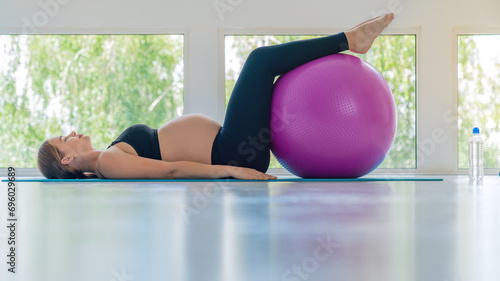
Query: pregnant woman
pixel 194 145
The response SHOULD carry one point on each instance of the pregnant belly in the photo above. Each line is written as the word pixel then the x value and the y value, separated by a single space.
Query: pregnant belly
pixel 188 138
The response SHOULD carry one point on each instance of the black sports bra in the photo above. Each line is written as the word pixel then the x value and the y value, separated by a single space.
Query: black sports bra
pixel 143 139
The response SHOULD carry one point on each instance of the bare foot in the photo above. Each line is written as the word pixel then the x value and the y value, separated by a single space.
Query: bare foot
pixel 365 22
pixel 362 36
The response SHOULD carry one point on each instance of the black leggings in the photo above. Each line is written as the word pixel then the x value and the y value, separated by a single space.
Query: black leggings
pixel 244 138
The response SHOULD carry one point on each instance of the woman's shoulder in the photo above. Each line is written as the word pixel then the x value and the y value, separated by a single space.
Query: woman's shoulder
pixel 106 154
pixel 107 158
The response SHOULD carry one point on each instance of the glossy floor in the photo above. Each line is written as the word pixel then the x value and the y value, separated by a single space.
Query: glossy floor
pixel 432 231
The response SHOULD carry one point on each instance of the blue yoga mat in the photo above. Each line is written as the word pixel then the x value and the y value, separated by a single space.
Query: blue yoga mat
pixel 280 179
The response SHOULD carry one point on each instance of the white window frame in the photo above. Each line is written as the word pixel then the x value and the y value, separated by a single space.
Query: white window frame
pixel 465 30
pixel 34 172
pixel 434 95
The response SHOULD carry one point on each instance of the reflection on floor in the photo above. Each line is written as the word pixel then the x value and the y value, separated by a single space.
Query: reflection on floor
pixel 442 231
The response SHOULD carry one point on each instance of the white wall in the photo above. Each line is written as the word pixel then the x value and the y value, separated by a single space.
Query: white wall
pixel 436 22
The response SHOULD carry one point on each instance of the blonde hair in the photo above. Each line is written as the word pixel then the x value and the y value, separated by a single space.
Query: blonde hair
pixel 49 164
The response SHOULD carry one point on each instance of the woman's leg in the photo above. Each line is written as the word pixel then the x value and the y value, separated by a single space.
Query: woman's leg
pixel 245 135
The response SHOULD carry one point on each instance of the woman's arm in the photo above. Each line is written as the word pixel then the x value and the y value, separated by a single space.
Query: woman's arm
pixel 115 164
pixel 187 169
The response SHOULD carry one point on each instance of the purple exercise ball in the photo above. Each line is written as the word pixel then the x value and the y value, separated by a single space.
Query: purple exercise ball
pixel 334 117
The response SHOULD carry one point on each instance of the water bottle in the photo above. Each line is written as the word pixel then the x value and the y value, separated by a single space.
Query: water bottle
pixel 476 157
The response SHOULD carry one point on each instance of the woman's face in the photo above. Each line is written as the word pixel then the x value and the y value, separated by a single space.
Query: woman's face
pixel 72 145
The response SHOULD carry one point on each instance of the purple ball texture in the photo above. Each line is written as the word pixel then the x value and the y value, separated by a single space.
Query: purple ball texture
pixel 334 117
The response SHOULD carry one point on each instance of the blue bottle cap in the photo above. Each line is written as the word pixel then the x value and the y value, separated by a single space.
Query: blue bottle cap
pixel 475 130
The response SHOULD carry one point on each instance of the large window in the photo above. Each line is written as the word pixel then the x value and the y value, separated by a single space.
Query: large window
pixel 479 96
pixel 393 55
pixel 94 84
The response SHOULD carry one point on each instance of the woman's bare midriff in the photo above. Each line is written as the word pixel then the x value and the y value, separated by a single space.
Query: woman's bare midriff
pixel 188 138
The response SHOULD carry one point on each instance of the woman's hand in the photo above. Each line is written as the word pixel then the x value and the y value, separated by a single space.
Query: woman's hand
pixel 248 174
